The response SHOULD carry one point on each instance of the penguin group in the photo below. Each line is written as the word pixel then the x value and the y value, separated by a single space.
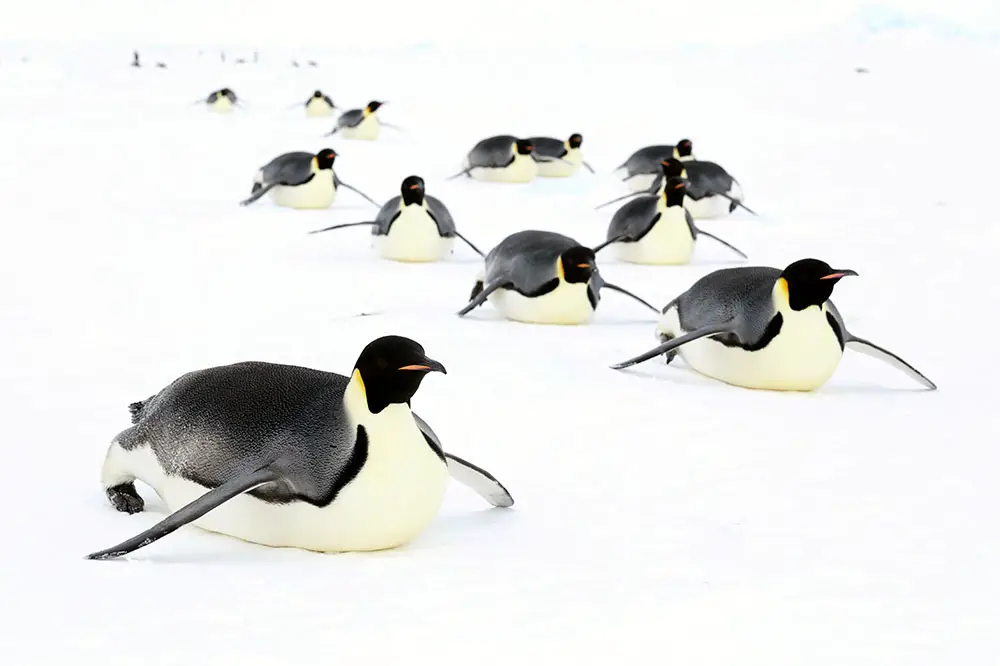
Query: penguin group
pixel 288 456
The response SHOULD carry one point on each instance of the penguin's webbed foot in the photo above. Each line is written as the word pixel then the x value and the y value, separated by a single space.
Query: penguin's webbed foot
pixel 670 355
pixel 125 498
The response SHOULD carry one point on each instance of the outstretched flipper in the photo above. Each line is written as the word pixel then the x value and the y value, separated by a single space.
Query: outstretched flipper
pixel 467 171
pixel 549 158
pixel 476 478
pixel 332 132
pixel 339 183
pixel 390 125
pixel 341 226
pixel 469 243
pixel 674 343
pixel 719 240
pixel 630 195
pixel 870 349
pixel 733 203
pixel 598 248
pixel 589 168
pixel 614 287
pixel 480 298
pixel 190 512
pixel 257 193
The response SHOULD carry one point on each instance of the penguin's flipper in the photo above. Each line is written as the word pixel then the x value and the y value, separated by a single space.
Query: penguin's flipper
pixel 589 168
pixel 870 349
pixel 257 193
pixel 621 198
pixel 614 287
pixel 469 243
pixel 390 125
pixel 479 480
pixel 733 203
pixel 549 158
pixel 616 239
pixel 674 343
pixel 480 298
pixel 333 131
pixel 464 172
pixel 193 511
pixel 341 226
pixel 341 183
pixel 719 240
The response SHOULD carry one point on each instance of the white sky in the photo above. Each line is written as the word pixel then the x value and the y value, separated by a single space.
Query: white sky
pixel 337 22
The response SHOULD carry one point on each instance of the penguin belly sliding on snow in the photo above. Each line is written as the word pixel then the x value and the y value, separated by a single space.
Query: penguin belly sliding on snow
pixel 541 277
pixel 361 124
pixel 503 159
pixel 642 167
pixel 764 328
pixel 412 227
pixel 300 180
pixel 292 457
pixel 319 105
pixel 657 229
pixel 562 158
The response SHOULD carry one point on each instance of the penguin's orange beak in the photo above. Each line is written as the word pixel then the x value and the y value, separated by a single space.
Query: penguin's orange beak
pixel 839 274
pixel 414 187
pixel 430 365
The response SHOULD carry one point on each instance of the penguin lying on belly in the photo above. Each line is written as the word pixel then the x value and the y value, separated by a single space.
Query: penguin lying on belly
pixel 764 328
pixel 292 457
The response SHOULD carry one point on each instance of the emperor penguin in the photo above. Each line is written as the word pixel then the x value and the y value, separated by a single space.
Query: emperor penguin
pixel 502 159
pixel 565 156
pixel 300 180
pixel 657 229
pixel 643 166
pixel 541 277
pixel 764 328
pixel 360 124
pixel 412 227
pixel 291 457
pixel 319 105
pixel 711 191
pixel 221 101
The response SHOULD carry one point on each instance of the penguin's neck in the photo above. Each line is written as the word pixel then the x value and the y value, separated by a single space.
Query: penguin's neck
pixel 782 304
pixel 394 419
pixel 408 199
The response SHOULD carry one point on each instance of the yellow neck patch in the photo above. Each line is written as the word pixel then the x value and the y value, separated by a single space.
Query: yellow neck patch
pixel 559 269
pixel 368 112
pixel 781 288
pixel 684 173
pixel 361 383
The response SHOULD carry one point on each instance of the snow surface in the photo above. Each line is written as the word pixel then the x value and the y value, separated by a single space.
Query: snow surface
pixel 660 517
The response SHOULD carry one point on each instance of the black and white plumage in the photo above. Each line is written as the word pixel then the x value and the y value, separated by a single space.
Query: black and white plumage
pixel 289 456
pixel 541 277
pixel 319 105
pixel 362 124
pixel 561 158
pixel 221 101
pixel 412 226
pixel 764 328
pixel 641 168
pixel 502 159
pixel 300 180
pixel 657 229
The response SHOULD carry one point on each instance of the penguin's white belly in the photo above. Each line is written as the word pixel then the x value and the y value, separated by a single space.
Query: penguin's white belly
pixel 393 498
pixel 641 181
pixel 566 304
pixel 367 130
pixel 570 162
pixel 317 193
pixel 715 206
pixel 802 357
pixel 522 170
pixel 668 243
pixel 413 237
pixel 317 108
pixel 221 105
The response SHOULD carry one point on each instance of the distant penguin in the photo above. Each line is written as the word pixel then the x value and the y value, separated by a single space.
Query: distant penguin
pixel 643 166
pixel 300 180
pixel 541 277
pixel 764 328
pixel 319 105
pixel 502 159
pixel 657 229
pixel 412 227
pixel 360 124
pixel 292 457
pixel 221 101
pixel 566 156
pixel 711 191
pixel 135 59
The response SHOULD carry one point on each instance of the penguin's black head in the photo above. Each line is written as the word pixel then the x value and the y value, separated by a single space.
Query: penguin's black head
pixel 374 106
pixel 226 92
pixel 524 147
pixel 684 148
pixel 325 158
pixel 391 369
pixel 318 94
pixel 575 140
pixel 672 167
pixel 577 264
pixel 674 191
pixel 412 190
pixel 810 282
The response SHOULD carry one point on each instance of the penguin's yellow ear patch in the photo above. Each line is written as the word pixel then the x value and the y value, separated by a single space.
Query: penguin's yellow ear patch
pixel 559 269
pixel 783 288
pixel 361 382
